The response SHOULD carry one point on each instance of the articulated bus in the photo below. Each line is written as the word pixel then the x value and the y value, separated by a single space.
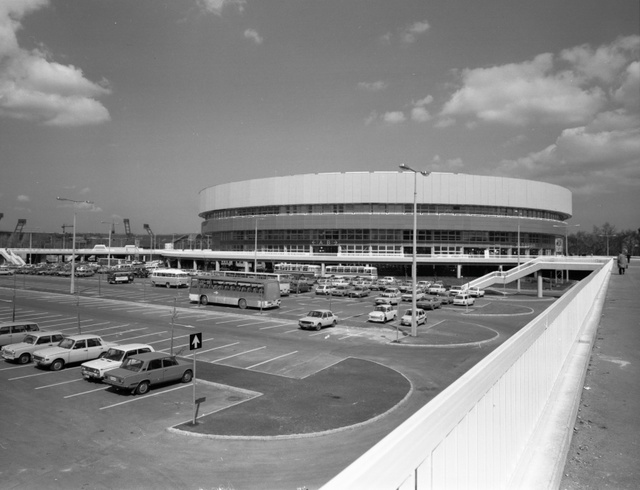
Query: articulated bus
pixel 307 270
pixel 351 271
pixel 235 291
pixel 284 280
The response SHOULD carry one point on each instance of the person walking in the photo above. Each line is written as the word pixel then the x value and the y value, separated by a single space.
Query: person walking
pixel 622 263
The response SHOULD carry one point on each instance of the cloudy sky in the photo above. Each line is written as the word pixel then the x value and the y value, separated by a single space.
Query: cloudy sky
pixel 137 105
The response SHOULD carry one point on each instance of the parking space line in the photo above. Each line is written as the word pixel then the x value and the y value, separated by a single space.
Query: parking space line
pixel 102 388
pixel 275 326
pixel 272 359
pixel 58 384
pixel 37 374
pixel 215 348
pixel 148 395
pixel 239 354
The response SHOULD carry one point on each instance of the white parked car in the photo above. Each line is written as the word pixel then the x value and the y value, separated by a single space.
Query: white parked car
pixel 22 351
pixel 316 319
pixel 463 299
pixel 389 296
pixel 75 348
pixel 409 296
pixel 383 313
pixel 421 317
pixel 476 292
pixel 113 358
pixel 436 289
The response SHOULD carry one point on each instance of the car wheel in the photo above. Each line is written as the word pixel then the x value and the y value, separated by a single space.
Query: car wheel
pixel 24 358
pixel 57 365
pixel 318 326
pixel 187 376
pixel 143 388
pixel 335 322
pixel 204 300
pixel 242 303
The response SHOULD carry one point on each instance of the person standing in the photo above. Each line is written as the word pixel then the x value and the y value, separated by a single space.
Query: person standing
pixel 622 263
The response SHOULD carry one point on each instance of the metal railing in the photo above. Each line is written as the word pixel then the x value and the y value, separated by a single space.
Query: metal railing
pixel 476 433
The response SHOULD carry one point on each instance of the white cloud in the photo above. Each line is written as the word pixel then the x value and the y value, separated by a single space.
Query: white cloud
pixel 394 117
pixel 217 6
pixel 410 34
pixel 566 90
pixel 373 86
pixel 254 36
pixel 36 89
pixel 419 113
pixel 601 157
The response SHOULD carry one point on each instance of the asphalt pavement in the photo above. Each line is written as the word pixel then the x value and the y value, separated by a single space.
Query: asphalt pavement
pixel 606 436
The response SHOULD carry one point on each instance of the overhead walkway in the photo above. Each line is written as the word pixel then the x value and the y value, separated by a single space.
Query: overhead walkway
pixel 11 257
pixel 557 263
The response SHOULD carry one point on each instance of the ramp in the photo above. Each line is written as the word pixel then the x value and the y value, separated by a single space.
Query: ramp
pixel 11 257
pixel 535 265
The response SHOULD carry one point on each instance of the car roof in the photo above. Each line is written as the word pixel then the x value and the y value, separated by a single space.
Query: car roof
pixel 129 346
pixel 46 332
pixel 82 336
pixel 147 356
pixel 8 324
pixel 322 311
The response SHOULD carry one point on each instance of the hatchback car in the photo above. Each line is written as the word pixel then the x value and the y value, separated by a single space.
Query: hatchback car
pixel 316 319
pixel 324 289
pixel 22 351
pixel 463 299
pixel 138 373
pixel 421 317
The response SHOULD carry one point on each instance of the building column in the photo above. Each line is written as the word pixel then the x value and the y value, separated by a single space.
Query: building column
pixel 459 271
pixel 540 285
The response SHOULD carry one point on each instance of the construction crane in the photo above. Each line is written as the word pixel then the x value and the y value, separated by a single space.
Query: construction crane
pixel 151 235
pixel 64 235
pixel 127 227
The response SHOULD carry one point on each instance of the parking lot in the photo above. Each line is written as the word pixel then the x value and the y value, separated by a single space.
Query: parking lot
pixel 258 375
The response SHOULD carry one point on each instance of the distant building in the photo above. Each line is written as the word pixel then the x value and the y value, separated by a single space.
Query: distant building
pixel 371 213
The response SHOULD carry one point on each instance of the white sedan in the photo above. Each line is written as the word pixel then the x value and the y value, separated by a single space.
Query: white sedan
pixel 316 319
pixel 476 292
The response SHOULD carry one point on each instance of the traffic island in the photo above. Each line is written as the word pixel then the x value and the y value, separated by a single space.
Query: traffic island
pixel 347 394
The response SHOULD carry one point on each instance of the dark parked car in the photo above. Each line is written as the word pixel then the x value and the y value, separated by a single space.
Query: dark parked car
pixel 138 373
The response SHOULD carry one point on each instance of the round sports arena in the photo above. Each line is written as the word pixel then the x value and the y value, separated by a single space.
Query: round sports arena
pixel 372 214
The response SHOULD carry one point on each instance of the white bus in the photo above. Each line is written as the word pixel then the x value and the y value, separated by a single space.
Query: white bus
pixel 307 270
pixel 284 280
pixel 243 292
pixel 169 278
pixel 351 271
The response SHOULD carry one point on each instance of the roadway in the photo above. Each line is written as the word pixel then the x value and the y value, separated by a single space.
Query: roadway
pixel 284 408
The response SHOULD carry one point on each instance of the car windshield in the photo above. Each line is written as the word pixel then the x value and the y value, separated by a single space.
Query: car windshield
pixel 380 308
pixel 132 364
pixel 315 314
pixel 114 355
pixel 66 343
pixel 30 339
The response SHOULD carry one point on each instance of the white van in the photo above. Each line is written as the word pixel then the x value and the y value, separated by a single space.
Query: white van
pixel 170 278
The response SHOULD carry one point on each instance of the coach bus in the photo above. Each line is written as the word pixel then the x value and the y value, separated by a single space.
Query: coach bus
pixel 243 292
pixel 284 280
pixel 308 270
pixel 351 271
pixel 169 278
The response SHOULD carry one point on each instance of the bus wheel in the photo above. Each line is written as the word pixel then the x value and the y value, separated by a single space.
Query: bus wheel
pixel 242 304
pixel 204 301
pixel 167 285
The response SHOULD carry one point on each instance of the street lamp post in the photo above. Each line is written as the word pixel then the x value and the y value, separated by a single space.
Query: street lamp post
pixel 414 264
pixel 255 247
pixel 566 241
pixel 608 235
pixel 73 246
pixel 112 223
